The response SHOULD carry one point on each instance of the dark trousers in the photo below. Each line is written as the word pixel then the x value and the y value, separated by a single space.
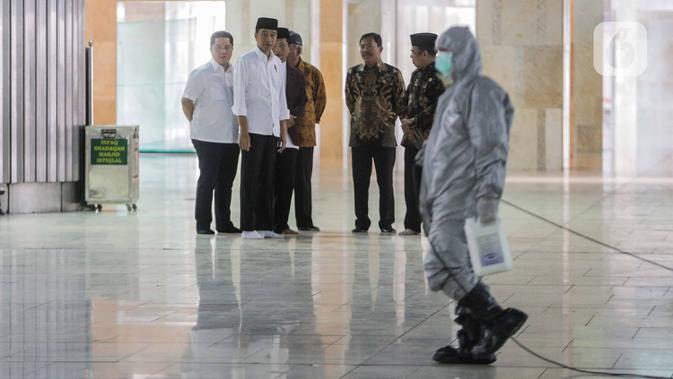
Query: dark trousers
pixel 286 162
pixel 257 174
pixel 412 189
pixel 384 160
pixel 217 166
pixel 303 207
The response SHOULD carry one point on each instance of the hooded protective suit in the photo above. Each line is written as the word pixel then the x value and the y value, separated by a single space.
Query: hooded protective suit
pixel 464 159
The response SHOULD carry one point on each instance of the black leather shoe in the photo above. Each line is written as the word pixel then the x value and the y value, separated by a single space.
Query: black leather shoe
pixel 204 231
pixel 358 230
pixel 229 230
pixel 388 230
pixel 311 228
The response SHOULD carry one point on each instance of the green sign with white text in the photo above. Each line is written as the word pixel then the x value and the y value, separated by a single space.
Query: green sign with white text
pixel 109 151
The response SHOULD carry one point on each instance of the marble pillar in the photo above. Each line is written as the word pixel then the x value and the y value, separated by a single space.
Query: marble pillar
pixel 101 28
pixel 522 49
pixel 332 151
pixel 586 127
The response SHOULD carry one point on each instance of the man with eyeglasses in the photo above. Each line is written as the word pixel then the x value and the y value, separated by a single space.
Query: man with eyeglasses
pixel 206 103
pixel 261 107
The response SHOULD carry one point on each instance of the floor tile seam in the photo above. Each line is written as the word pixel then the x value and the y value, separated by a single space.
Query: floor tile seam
pixel 543 372
pixel 413 372
pixel 45 361
pixel 626 349
pixel 124 359
pixel 568 345
pixel 41 365
pixel 589 322
pixel 499 365
pixel 609 299
pixel 396 339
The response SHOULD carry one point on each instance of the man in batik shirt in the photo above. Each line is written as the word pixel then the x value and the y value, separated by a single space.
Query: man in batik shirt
pixel 303 133
pixel 420 101
pixel 374 92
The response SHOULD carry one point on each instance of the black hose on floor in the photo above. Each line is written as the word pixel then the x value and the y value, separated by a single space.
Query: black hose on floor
pixel 613 248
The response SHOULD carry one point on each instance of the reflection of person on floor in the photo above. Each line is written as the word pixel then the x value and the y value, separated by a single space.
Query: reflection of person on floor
pixel 206 103
pixel 464 166
pixel 237 317
pixel 218 315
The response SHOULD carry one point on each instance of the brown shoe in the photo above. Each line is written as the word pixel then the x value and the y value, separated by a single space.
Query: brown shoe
pixel 289 232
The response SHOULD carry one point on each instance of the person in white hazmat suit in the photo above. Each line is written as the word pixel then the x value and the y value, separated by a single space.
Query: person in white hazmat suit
pixel 464 162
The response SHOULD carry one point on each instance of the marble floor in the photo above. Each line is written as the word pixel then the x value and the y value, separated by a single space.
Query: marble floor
pixel 119 295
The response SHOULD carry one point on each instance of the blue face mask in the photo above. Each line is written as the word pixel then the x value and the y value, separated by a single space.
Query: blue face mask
pixel 444 64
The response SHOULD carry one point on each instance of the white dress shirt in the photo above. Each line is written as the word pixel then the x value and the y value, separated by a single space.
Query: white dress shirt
pixel 290 144
pixel 259 92
pixel 211 89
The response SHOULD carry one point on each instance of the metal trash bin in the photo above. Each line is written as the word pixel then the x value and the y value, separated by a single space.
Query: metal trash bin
pixel 112 166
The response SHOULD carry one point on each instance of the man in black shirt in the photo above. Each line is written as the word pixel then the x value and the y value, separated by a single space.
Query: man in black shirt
pixel 286 159
pixel 419 102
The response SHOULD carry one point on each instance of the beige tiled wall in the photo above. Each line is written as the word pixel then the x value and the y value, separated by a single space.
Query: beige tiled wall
pixel 522 48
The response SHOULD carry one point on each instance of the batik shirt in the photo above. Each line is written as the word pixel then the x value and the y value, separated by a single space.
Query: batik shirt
pixel 374 98
pixel 303 131
pixel 420 101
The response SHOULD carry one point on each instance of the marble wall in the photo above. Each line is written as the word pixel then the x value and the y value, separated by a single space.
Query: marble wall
pixel 522 48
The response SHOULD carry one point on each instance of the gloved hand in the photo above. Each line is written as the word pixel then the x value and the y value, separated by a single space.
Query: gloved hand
pixel 487 210
pixel 420 156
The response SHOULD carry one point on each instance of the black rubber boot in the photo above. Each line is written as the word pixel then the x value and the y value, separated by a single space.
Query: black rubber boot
pixel 497 332
pixel 450 355
pixel 498 324
pixel 468 336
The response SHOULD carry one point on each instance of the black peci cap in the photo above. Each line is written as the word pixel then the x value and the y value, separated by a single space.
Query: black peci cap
pixel 425 41
pixel 283 33
pixel 267 23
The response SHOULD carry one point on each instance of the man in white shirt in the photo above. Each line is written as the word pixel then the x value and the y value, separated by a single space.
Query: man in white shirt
pixel 261 108
pixel 206 103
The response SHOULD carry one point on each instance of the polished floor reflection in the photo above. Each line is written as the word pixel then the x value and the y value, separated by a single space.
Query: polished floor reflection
pixel 117 295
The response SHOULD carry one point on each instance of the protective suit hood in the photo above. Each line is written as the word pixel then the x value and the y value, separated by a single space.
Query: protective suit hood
pixel 466 58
